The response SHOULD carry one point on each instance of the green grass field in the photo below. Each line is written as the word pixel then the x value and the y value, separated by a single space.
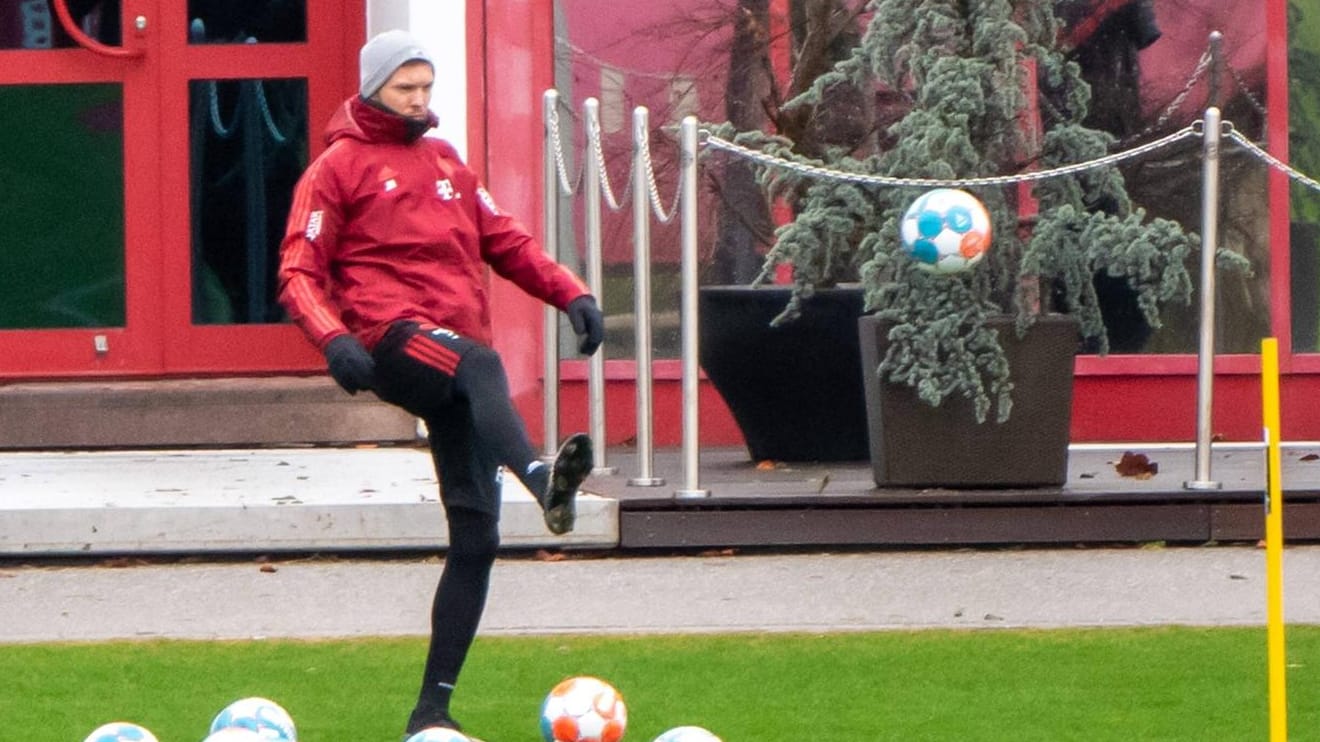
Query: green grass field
pixel 1112 684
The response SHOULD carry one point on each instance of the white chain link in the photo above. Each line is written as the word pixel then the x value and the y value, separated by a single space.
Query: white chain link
pixel 1270 159
pixel 568 189
pixel 996 180
pixel 653 190
pixel 1175 105
pixel 1246 92
pixel 593 136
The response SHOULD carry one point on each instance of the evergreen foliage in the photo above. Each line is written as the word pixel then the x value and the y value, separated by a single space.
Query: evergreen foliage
pixel 969 75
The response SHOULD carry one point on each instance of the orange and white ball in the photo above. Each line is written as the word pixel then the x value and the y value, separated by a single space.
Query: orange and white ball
pixel 583 709
pixel 946 230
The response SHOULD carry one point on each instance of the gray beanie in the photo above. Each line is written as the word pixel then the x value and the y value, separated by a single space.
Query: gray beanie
pixel 384 54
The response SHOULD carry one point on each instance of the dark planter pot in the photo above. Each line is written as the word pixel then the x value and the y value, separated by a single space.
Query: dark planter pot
pixel 794 390
pixel 916 445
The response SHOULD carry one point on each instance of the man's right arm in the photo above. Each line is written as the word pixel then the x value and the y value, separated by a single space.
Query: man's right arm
pixel 309 240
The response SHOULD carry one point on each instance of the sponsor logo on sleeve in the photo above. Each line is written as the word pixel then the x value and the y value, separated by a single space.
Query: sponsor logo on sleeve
pixel 487 201
pixel 314 225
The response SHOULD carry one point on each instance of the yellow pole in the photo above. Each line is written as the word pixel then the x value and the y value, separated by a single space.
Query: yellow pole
pixel 1278 684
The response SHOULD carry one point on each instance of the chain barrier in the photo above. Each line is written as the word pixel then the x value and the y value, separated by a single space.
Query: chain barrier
pixel 994 180
pixel 217 124
pixel 263 106
pixel 664 216
pixel 561 167
pixel 1270 159
pixel 1192 130
pixel 1246 92
pixel 615 202
pixel 1202 65
pixel 594 135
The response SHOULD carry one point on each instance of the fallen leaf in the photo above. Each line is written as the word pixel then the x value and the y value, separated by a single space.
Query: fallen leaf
pixel 550 556
pixel 269 568
pixel 719 553
pixel 766 465
pixel 1136 466
pixel 1309 457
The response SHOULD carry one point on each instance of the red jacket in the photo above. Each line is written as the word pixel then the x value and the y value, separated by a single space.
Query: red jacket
pixel 387 227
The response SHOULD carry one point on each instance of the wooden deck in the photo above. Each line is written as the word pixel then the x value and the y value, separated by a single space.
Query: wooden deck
pixel 837 504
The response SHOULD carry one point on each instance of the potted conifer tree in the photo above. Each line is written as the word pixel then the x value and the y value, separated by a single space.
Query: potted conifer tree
pixel 971 90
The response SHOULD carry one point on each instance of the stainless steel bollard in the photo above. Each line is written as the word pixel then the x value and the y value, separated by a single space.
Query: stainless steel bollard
pixel 1205 370
pixel 642 302
pixel 550 317
pixel 690 269
pixel 595 280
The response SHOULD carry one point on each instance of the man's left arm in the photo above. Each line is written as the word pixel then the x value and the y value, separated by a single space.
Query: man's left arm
pixel 513 253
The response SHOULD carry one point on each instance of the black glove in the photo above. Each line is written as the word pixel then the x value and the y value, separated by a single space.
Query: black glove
pixel 350 364
pixel 587 322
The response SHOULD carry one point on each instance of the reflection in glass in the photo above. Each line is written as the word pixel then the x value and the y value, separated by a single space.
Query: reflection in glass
pixel 248 147
pixel 32 24
pixel 246 21
pixel 62 215
pixel 1304 152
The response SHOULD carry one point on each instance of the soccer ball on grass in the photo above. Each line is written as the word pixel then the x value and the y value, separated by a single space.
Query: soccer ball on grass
pixel 234 734
pixel 437 734
pixel 261 715
pixel 687 734
pixel 946 231
pixel 120 731
pixel 583 709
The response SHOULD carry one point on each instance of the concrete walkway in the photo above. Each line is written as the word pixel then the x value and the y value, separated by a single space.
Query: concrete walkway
pixel 282 500
pixel 218 501
pixel 965 589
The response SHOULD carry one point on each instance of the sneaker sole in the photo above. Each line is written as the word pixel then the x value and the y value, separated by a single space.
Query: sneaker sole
pixel 572 465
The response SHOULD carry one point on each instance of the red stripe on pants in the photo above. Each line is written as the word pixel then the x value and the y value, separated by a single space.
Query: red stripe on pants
pixel 432 354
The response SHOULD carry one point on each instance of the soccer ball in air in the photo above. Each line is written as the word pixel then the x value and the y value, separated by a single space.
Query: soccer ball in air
pixel 439 735
pixel 687 734
pixel 120 731
pixel 583 709
pixel 261 715
pixel 946 231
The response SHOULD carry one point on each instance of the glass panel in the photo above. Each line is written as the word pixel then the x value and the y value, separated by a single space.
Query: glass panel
pixel 248 147
pixel 62 215
pixel 247 21
pixel 31 24
pixel 1134 91
pixel 1304 151
pixel 1139 58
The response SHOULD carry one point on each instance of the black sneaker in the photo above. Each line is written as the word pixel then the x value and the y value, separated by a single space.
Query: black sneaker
pixel 572 465
pixel 423 718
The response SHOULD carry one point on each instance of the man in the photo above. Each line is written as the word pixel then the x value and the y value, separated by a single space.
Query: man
pixel 383 266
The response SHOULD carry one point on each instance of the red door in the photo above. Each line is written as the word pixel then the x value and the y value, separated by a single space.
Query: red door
pixel 150 148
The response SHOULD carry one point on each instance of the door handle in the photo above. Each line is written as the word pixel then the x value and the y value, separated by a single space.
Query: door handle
pixel 85 41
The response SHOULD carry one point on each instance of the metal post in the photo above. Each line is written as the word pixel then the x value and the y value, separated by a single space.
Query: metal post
pixel 550 231
pixel 642 301
pixel 1205 371
pixel 595 280
pixel 691 381
pixel 1216 69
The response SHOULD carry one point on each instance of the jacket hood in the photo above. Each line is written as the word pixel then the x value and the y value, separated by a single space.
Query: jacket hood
pixel 358 119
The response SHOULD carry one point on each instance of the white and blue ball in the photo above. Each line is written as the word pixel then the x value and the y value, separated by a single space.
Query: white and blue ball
pixel 234 734
pixel 120 731
pixel 688 734
pixel 946 230
pixel 261 715
pixel 439 735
